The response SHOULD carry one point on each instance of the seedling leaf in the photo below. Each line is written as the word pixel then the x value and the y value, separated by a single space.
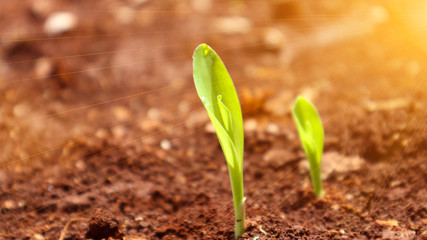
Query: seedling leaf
pixel 214 84
pixel 216 90
pixel 224 140
pixel 310 131
pixel 225 114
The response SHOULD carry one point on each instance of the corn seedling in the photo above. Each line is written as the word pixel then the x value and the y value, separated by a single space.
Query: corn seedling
pixel 216 90
pixel 311 134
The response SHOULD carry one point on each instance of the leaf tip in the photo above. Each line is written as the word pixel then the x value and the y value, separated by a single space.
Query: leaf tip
pixel 299 100
pixel 204 48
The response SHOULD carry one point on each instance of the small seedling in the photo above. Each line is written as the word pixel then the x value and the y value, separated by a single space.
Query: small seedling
pixel 310 131
pixel 216 90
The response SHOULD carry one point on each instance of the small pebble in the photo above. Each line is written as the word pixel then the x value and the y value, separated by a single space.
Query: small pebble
pixel 38 236
pixel 336 162
pixel 348 196
pixel 395 183
pixel 103 224
pixel 9 204
pixel 389 104
pixel 149 125
pixel 276 157
pixel 250 125
pixel 22 204
pixel 153 113
pixel 60 22
pixel 335 207
pixel 233 25
pixel 166 144
pixel 398 234
pixel 81 165
pixel 21 110
pixel 101 133
pixel 43 67
pixel 119 132
pixel 272 128
pixel 121 113
pixel 390 222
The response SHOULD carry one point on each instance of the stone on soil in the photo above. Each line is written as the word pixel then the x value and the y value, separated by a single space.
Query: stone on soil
pixel 103 225
pixel 335 162
pixel 389 223
pixel 60 22
pixel 401 234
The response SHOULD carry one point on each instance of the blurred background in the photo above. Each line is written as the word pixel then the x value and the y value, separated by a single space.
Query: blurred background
pixel 69 68
pixel 76 69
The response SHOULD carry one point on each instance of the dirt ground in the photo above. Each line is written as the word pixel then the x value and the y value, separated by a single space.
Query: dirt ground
pixel 102 134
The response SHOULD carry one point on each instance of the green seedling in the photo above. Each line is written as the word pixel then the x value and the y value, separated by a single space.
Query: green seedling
pixel 311 134
pixel 216 90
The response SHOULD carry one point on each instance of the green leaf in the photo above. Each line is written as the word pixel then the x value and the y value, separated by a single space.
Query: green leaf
pixel 217 92
pixel 309 126
pixel 226 142
pixel 310 131
pixel 216 89
pixel 225 114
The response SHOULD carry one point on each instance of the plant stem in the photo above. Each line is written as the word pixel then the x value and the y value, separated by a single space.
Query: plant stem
pixel 315 170
pixel 236 178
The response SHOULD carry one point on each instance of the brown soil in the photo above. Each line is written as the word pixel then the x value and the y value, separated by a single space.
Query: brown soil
pixel 114 139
